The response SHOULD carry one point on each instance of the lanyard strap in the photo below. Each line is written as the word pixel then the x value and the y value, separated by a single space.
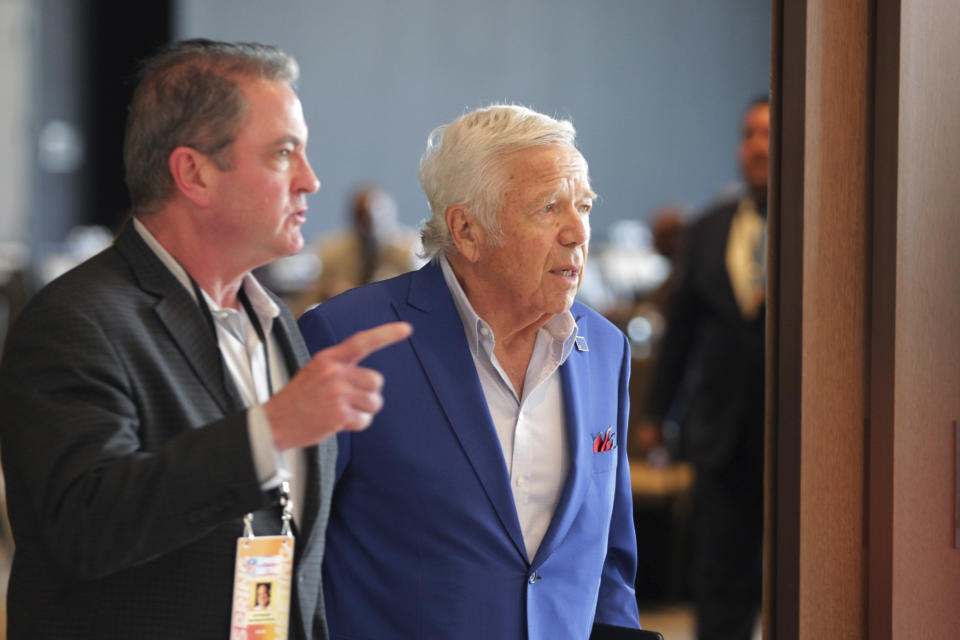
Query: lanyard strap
pixel 286 501
pixel 254 320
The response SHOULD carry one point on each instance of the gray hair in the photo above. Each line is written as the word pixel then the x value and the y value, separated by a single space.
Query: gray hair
pixel 462 165
pixel 189 95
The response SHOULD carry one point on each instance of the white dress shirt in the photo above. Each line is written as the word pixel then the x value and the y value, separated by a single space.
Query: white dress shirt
pixel 245 358
pixel 531 429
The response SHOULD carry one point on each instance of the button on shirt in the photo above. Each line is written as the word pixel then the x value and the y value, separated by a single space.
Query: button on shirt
pixel 531 429
pixel 245 359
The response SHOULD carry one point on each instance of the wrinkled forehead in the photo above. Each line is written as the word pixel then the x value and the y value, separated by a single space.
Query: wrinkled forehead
pixel 550 166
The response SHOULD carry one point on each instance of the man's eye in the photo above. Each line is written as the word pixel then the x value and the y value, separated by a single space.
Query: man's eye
pixel 284 152
pixel 548 208
pixel 584 208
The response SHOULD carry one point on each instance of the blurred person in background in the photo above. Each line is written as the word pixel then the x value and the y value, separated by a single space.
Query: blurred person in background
pixel 646 325
pixel 713 356
pixel 374 248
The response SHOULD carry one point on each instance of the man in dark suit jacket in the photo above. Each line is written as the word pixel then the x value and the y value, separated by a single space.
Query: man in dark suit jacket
pixel 149 397
pixel 711 365
pixel 491 496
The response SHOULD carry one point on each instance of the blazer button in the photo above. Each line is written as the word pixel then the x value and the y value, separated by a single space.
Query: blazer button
pixel 534 577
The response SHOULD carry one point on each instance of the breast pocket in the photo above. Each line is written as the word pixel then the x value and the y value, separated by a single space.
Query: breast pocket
pixel 604 461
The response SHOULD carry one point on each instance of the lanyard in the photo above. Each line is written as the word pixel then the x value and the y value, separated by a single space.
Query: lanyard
pixel 254 320
pixel 263 568
pixel 286 502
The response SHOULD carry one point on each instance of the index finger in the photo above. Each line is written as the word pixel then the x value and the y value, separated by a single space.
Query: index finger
pixel 363 343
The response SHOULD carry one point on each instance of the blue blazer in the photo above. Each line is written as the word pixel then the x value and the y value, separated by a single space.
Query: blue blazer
pixel 423 539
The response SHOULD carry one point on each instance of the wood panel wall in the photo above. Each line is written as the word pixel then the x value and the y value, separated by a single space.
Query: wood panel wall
pixel 822 195
pixel 864 356
pixel 925 585
pixel 835 330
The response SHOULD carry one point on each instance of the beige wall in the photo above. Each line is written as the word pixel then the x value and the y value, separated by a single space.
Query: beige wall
pixel 15 150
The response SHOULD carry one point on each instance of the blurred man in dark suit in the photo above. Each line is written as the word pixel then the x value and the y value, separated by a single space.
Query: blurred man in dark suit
pixel 712 358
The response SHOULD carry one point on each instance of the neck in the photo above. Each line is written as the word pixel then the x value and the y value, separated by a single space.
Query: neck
pixel 516 334
pixel 509 328
pixel 203 260
pixel 759 196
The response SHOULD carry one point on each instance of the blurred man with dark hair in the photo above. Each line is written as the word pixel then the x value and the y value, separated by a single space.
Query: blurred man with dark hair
pixel 375 247
pixel 713 354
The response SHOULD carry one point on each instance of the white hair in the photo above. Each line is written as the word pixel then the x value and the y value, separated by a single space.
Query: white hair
pixel 462 165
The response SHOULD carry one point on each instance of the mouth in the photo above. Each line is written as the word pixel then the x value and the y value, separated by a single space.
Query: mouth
pixel 572 273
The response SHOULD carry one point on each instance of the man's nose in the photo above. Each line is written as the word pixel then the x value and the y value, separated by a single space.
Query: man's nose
pixel 307 180
pixel 576 228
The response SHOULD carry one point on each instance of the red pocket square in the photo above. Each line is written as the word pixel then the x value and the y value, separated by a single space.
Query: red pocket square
pixel 604 441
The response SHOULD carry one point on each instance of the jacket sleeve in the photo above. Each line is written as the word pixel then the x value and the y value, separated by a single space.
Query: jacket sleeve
pixel 617 603
pixel 85 488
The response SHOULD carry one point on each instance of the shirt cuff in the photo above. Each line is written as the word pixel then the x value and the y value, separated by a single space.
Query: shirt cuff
pixel 270 467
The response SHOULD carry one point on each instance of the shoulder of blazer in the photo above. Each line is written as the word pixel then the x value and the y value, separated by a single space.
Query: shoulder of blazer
pixel 148 270
pixel 591 324
pixel 103 282
pixel 366 304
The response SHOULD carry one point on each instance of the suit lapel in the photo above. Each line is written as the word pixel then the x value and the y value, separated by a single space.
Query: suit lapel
pixel 574 376
pixel 284 329
pixel 723 285
pixel 441 347
pixel 182 317
pixel 296 355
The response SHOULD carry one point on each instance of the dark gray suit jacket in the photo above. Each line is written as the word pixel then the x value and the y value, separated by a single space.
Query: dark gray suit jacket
pixel 128 463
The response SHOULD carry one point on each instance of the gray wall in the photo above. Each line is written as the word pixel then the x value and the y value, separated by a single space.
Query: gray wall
pixel 15 51
pixel 655 87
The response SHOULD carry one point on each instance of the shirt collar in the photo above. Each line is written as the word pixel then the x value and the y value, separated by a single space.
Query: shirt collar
pixel 263 305
pixel 560 329
pixel 748 207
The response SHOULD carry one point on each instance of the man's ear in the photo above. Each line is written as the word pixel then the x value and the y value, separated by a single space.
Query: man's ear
pixel 468 235
pixel 193 173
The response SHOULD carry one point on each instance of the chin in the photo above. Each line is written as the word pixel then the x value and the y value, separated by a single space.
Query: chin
pixel 562 307
pixel 294 245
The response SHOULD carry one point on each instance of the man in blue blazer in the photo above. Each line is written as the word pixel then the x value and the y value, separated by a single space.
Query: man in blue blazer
pixel 490 497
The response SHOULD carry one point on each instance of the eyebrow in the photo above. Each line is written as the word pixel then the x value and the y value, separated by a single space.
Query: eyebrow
pixel 289 139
